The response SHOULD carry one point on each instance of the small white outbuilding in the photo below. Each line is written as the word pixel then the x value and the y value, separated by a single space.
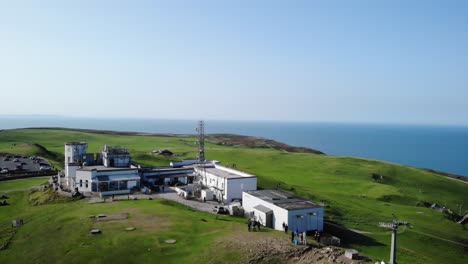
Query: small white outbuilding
pixel 274 207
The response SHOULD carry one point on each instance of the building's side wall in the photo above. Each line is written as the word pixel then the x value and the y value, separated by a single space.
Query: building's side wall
pixel 83 180
pixel 306 219
pixel 260 216
pixel 70 174
pixel 235 187
pixel 280 215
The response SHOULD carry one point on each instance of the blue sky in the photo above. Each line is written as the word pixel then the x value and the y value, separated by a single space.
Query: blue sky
pixel 339 61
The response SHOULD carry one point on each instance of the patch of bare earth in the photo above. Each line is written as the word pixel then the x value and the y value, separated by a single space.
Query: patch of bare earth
pixel 259 247
pixel 141 221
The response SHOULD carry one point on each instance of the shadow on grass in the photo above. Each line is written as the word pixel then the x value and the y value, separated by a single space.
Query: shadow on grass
pixel 222 219
pixel 349 237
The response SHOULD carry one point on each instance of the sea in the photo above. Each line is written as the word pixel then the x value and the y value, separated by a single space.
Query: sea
pixel 442 148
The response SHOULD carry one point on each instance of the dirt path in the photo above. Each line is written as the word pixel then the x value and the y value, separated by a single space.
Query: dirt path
pixel 261 247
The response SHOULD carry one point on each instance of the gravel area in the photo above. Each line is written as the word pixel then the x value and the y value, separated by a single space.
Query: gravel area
pixel 168 195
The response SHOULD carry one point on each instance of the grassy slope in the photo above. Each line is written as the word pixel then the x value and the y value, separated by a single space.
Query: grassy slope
pixel 58 233
pixel 355 199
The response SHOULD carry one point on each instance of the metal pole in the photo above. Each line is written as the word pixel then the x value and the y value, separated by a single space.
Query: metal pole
pixel 393 248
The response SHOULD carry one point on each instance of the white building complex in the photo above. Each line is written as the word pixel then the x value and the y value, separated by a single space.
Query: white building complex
pixel 107 173
pixel 225 184
pixel 274 207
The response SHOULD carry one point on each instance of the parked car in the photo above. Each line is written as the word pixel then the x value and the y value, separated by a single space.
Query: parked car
pixel 17 160
pixel 220 210
pixel 6 159
pixel 4 171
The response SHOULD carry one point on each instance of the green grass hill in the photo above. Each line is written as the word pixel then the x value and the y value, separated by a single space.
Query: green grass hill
pixel 359 193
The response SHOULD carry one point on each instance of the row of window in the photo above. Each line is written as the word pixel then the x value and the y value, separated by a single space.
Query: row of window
pixel 81 183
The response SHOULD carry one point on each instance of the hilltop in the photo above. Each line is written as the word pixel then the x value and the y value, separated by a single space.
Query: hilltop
pixel 359 193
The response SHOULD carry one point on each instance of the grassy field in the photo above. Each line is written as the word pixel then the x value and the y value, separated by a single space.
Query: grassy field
pixel 356 200
pixel 22 184
pixel 59 232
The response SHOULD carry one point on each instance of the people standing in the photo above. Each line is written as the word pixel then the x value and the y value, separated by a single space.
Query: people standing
pixel 286 229
pixel 248 224
pixel 304 238
pixel 317 236
pixel 300 238
pixel 292 237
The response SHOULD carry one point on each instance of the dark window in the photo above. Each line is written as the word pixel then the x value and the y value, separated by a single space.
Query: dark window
pixel 81 183
pixel 113 185
pixel 123 185
pixel 103 187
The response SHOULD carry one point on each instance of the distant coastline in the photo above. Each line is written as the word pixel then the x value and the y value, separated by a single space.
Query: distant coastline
pixel 440 148
pixel 234 140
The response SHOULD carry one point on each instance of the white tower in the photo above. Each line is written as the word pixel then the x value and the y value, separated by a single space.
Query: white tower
pixel 74 152
pixel 74 155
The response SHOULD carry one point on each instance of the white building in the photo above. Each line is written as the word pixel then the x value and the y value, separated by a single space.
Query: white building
pixel 107 180
pixel 274 207
pixel 74 153
pixel 226 184
pixel 108 173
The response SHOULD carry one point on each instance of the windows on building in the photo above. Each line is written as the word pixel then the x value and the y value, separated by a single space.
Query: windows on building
pixel 81 183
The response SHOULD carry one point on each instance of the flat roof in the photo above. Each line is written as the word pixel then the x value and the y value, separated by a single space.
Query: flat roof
pixel 75 143
pixel 227 173
pixel 175 175
pixel 263 209
pixel 284 199
pixel 104 168
pixel 165 168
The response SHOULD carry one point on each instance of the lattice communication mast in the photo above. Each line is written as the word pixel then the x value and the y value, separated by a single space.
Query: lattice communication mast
pixel 198 181
pixel 201 141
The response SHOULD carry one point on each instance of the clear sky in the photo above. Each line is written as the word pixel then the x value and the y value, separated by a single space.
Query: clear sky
pixel 346 61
